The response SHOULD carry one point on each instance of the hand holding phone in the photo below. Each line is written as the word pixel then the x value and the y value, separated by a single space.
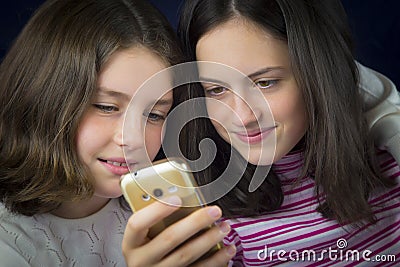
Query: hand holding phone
pixel 144 189
pixel 158 182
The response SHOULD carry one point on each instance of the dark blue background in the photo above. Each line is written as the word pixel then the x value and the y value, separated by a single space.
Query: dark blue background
pixel 375 25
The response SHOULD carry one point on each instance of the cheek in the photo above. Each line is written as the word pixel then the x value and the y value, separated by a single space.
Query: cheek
pixel 221 130
pixel 85 143
pixel 213 110
pixel 289 110
pixel 288 105
pixel 220 116
pixel 153 139
pixel 91 137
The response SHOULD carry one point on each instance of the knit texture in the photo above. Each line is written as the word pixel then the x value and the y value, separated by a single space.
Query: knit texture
pixel 47 240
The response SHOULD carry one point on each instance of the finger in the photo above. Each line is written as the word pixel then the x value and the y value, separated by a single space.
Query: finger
pixel 219 259
pixel 194 248
pixel 180 231
pixel 139 223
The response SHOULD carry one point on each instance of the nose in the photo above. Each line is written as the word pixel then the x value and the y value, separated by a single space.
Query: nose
pixel 129 133
pixel 118 130
pixel 245 114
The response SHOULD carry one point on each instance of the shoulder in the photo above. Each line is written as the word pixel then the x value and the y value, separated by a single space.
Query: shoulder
pixel 376 87
pixel 389 169
pixel 65 241
pixel 388 165
pixel 15 241
pixel 382 109
pixel 13 224
pixel 385 201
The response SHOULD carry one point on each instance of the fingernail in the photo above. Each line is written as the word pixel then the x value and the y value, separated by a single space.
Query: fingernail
pixel 231 250
pixel 214 212
pixel 224 227
pixel 173 201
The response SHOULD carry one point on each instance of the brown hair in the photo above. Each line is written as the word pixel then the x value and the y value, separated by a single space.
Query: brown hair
pixel 47 81
pixel 338 151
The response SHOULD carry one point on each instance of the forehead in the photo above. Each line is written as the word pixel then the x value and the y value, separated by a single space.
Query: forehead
pixel 242 45
pixel 133 70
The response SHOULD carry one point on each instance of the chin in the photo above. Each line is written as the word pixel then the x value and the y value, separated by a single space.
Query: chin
pixel 258 157
pixel 107 193
pixel 260 161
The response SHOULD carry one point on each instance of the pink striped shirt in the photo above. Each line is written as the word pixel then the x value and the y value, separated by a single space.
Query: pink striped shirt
pixel 297 235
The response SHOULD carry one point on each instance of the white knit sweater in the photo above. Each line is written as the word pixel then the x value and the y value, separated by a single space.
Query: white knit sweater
pixel 47 240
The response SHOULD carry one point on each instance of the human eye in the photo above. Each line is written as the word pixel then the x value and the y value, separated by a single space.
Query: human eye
pixel 154 117
pixel 107 109
pixel 215 91
pixel 265 83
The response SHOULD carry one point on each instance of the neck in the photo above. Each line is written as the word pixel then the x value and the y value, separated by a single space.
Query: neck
pixel 80 209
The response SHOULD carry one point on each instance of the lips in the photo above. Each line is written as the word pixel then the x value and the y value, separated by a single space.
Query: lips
pixel 254 136
pixel 121 164
pixel 117 166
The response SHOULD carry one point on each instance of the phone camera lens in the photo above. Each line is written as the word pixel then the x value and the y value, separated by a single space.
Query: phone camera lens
pixel 158 192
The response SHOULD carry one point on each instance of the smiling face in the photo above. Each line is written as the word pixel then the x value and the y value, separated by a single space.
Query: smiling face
pixel 100 142
pixel 265 61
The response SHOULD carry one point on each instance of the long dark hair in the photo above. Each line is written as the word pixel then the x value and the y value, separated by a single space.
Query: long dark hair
pixel 337 148
pixel 47 81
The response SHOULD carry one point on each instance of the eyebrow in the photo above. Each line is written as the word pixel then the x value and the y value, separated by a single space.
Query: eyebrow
pixel 251 76
pixel 112 93
pixel 264 70
pixel 164 102
pixel 214 81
